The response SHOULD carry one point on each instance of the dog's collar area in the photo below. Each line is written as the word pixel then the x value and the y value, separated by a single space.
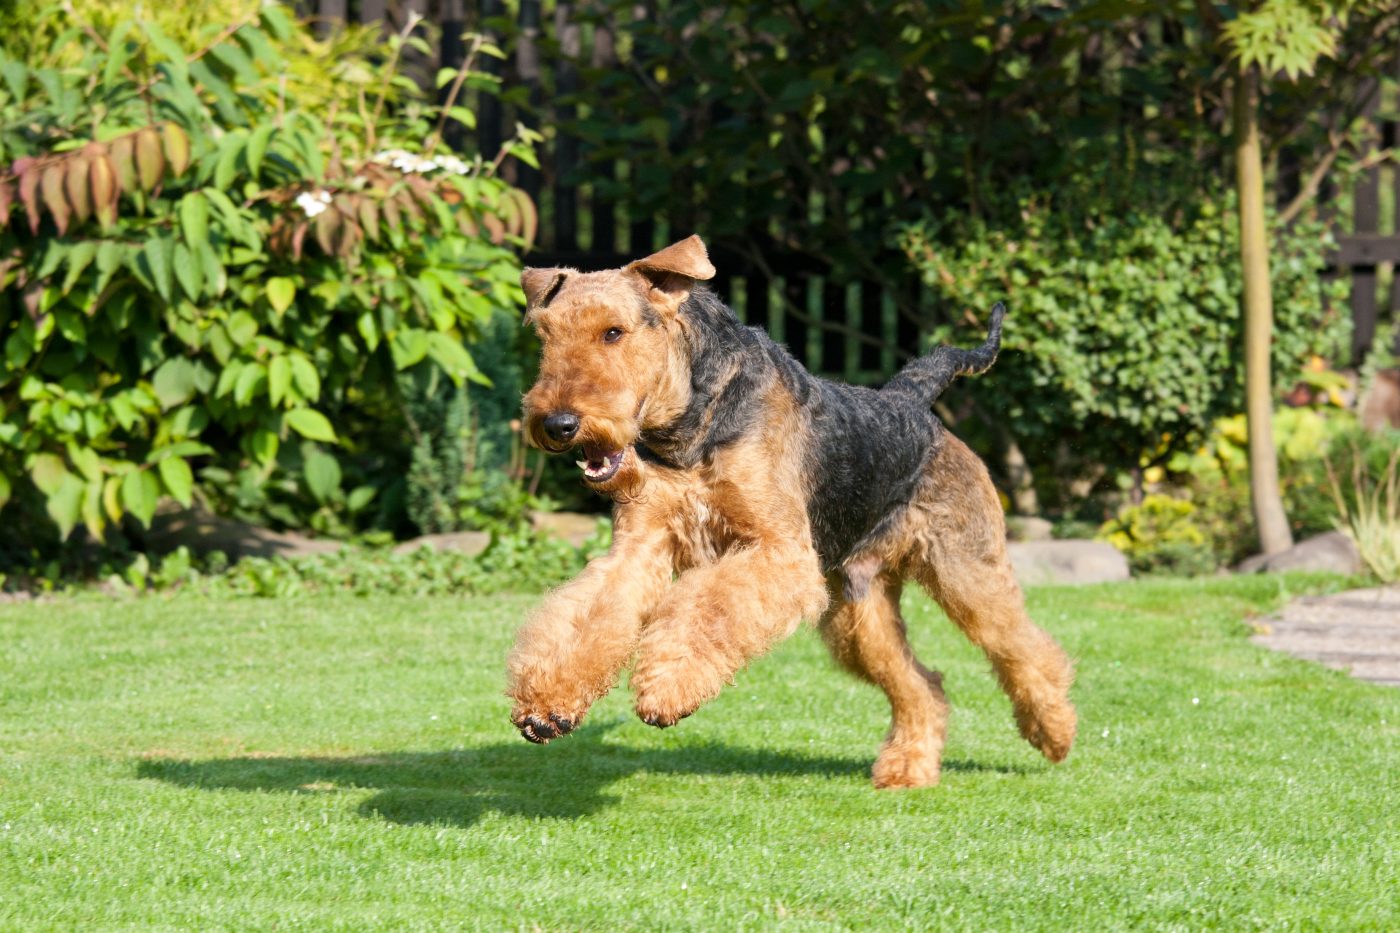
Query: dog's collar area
pixel 647 455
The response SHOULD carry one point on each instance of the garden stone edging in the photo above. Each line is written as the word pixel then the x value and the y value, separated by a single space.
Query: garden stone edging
pixel 1357 632
pixel 1071 561
pixel 1332 551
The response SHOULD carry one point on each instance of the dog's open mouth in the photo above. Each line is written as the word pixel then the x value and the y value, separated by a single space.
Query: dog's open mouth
pixel 600 465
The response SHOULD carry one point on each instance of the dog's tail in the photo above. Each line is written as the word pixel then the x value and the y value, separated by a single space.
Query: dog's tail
pixel 928 376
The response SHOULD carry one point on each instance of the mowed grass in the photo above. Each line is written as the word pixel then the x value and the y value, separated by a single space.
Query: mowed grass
pixel 348 764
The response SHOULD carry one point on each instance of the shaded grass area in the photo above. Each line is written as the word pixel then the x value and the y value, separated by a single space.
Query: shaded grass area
pixel 348 763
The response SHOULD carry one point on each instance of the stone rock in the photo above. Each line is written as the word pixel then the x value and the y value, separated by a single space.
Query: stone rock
pixel 1028 528
pixel 573 527
pixel 1068 561
pixel 470 543
pixel 1332 551
pixel 202 532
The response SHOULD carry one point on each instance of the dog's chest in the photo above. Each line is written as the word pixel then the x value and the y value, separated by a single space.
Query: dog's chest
pixel 698 529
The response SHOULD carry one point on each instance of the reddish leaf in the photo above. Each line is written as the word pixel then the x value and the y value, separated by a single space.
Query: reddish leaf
pixel 124 161
pixel 51 186
pixel 7 197
pixel 102 183
pixel 369 217
pixel 494 226
pixel 177 147
pixel 390 209
pixel 28 171
pixel 327 225
pixel 298 241
pixel 150 160
pixel 75 185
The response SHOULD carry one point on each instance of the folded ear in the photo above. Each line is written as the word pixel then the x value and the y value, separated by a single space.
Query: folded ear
pixel 540 285
pixel 688 258
pixel 671 274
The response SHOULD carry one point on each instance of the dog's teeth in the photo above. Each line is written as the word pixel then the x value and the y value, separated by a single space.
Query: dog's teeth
pixel 581 464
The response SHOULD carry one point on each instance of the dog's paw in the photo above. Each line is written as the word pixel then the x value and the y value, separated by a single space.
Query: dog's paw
pixel 664 708
pixel 539 727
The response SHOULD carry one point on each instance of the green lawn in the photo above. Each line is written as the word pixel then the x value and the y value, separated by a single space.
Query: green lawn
pixel 348 764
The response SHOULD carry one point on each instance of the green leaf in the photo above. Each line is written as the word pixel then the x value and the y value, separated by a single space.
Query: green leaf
pixel 308 381
pixel 281 292
pixel 310 424
pixel 408 347
pixel 263 444
pixel 194 219
pixel 241 327
pixel 322 475
pixel 78 260
pixel 158 254
pixel 91 509
pixel 65 504
pixel 109 260
pixel 4 490
pixel 250 379
pixel 47 471
pixel 174 382
pixel 257 146
pixel 118 53
pixel 140 494
pixel 179 481
pixel 279 379
pixel 360 497
pixel 227 166
pixel 453 358
pixel 189 271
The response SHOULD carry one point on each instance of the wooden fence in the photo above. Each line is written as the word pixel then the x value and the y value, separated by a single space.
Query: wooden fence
pixel 859 331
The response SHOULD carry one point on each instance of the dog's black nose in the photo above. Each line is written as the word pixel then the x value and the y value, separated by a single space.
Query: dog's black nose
pixel 561 425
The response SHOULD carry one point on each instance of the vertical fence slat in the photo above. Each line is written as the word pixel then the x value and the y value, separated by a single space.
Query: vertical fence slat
pixel 372 11
pixel 833 310
pixel 489 115
pixel 566 149
pixel 756 309
pixel 604 208
pixel 1365 219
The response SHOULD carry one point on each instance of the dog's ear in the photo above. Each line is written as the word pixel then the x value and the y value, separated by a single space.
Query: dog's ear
pixel 671 273
pixel 540 286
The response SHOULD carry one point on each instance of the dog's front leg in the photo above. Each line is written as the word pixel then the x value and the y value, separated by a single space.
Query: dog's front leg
pixel 569 653
pixel 718 617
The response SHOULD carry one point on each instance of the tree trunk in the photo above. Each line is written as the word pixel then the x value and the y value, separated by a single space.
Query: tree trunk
pixel 1274 534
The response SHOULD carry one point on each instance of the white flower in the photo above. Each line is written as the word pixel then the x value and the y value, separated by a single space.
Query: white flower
pixel 312 204
pixel 451 163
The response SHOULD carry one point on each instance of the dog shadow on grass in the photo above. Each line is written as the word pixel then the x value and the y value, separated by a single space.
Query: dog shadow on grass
pixel 567 780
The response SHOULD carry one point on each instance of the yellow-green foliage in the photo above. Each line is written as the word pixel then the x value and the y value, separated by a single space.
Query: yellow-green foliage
pixel 1160 534
pixel 1370 516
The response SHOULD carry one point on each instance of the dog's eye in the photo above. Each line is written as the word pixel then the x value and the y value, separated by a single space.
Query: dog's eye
pixel 612 335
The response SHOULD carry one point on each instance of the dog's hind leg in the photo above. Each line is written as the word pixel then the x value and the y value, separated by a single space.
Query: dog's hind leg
pixel 956 549
pixel 867 637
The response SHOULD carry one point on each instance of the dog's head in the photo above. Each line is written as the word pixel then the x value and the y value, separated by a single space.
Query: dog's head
pixel 609 366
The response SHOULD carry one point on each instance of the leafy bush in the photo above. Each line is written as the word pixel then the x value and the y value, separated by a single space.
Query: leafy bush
pixel 201 274
pixel 1122 342
pixel 1161 536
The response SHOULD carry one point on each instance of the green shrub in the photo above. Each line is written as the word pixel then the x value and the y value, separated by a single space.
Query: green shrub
pixel 204 281
pixel 1122 343
pixel 1161 536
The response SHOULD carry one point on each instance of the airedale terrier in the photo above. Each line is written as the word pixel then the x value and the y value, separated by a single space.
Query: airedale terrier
pixel 750 495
